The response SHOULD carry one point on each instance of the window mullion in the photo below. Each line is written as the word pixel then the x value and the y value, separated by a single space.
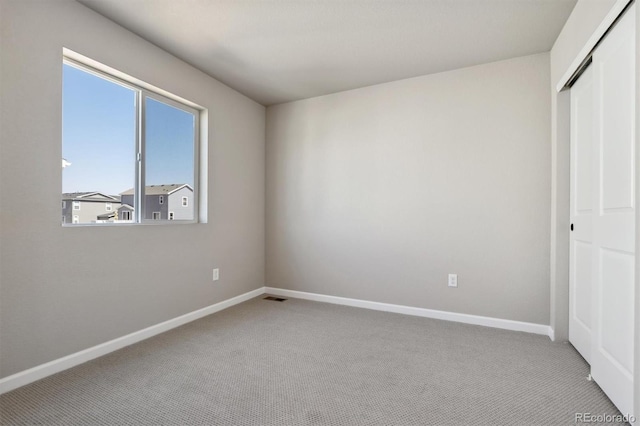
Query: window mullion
pixel 140 175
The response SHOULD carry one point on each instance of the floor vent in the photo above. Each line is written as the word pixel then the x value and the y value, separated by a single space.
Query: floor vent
pixel 277 299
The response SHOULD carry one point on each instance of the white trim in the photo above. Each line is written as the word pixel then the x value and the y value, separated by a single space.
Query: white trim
pixel 41 371
pixel 600 31
pixel 44 370
pixel 127 79
pixel 91 194
pixel 419 312
pixel 179 188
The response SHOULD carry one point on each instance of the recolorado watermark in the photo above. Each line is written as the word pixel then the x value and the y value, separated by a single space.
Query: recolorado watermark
pixel 604 418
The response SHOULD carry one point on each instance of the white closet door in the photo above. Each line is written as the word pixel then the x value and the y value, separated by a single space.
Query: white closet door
pixel 614 215
pixel 581 244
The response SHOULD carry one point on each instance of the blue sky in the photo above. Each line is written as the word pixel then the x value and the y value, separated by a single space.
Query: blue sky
pixel 98 137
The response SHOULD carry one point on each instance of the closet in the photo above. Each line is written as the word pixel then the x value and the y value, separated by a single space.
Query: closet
pixel 602 205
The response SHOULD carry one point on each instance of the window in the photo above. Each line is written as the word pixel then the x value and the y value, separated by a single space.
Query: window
pixel 76 219
pixel 170 215
pixel 185 201
pixel 126 142
pixel 64 204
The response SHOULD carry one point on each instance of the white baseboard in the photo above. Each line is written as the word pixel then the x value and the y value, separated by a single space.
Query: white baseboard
pixel 552 334
pixel 419 312
pixel 41 371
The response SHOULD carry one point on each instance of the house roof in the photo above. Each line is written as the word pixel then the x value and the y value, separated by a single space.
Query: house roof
pixel 167 189
pixel 126 207
pixel 90 196
pixel 107 215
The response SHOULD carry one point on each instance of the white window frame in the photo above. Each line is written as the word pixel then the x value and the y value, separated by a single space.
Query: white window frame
pixel 171 215
pixel 108 207
pixel 64 204
pixel 161 199
pixel 75 219
pixel 156 216
pixel 144 91
pixel 185 201
pixel 76 205
pixel 127 212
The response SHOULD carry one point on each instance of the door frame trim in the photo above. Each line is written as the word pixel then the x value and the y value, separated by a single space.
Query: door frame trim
pixel 607 23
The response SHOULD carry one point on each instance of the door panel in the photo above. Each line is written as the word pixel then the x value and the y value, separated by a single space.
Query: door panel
pixel 617 306
pixel 581 206
pixel 616 63
pixel 582 296
pixel 614 218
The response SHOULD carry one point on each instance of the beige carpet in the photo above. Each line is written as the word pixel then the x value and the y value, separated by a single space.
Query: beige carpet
pixel 306 363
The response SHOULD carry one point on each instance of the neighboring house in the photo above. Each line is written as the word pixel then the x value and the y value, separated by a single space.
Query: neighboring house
pixel 162 202
pixel 125 213
pixel 88 207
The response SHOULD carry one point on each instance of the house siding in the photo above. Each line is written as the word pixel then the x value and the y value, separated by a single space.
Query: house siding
pixel 174 204
pixel 152 204
pixel 89 210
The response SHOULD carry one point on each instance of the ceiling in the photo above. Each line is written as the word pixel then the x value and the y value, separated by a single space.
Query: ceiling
pixel 276 51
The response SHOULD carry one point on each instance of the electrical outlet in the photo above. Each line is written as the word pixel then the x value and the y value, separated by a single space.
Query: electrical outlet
pixel 453 280
pixel 216 274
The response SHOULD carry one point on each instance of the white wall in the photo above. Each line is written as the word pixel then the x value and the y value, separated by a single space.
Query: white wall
pixel 63 290
pixel 379 193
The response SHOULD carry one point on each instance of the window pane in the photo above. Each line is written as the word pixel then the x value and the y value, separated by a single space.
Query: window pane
pixel 98 147
pixel 169 161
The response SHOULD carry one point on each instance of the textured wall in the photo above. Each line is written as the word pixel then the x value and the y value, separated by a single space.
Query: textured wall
pixel 379 193
pixel 57 296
